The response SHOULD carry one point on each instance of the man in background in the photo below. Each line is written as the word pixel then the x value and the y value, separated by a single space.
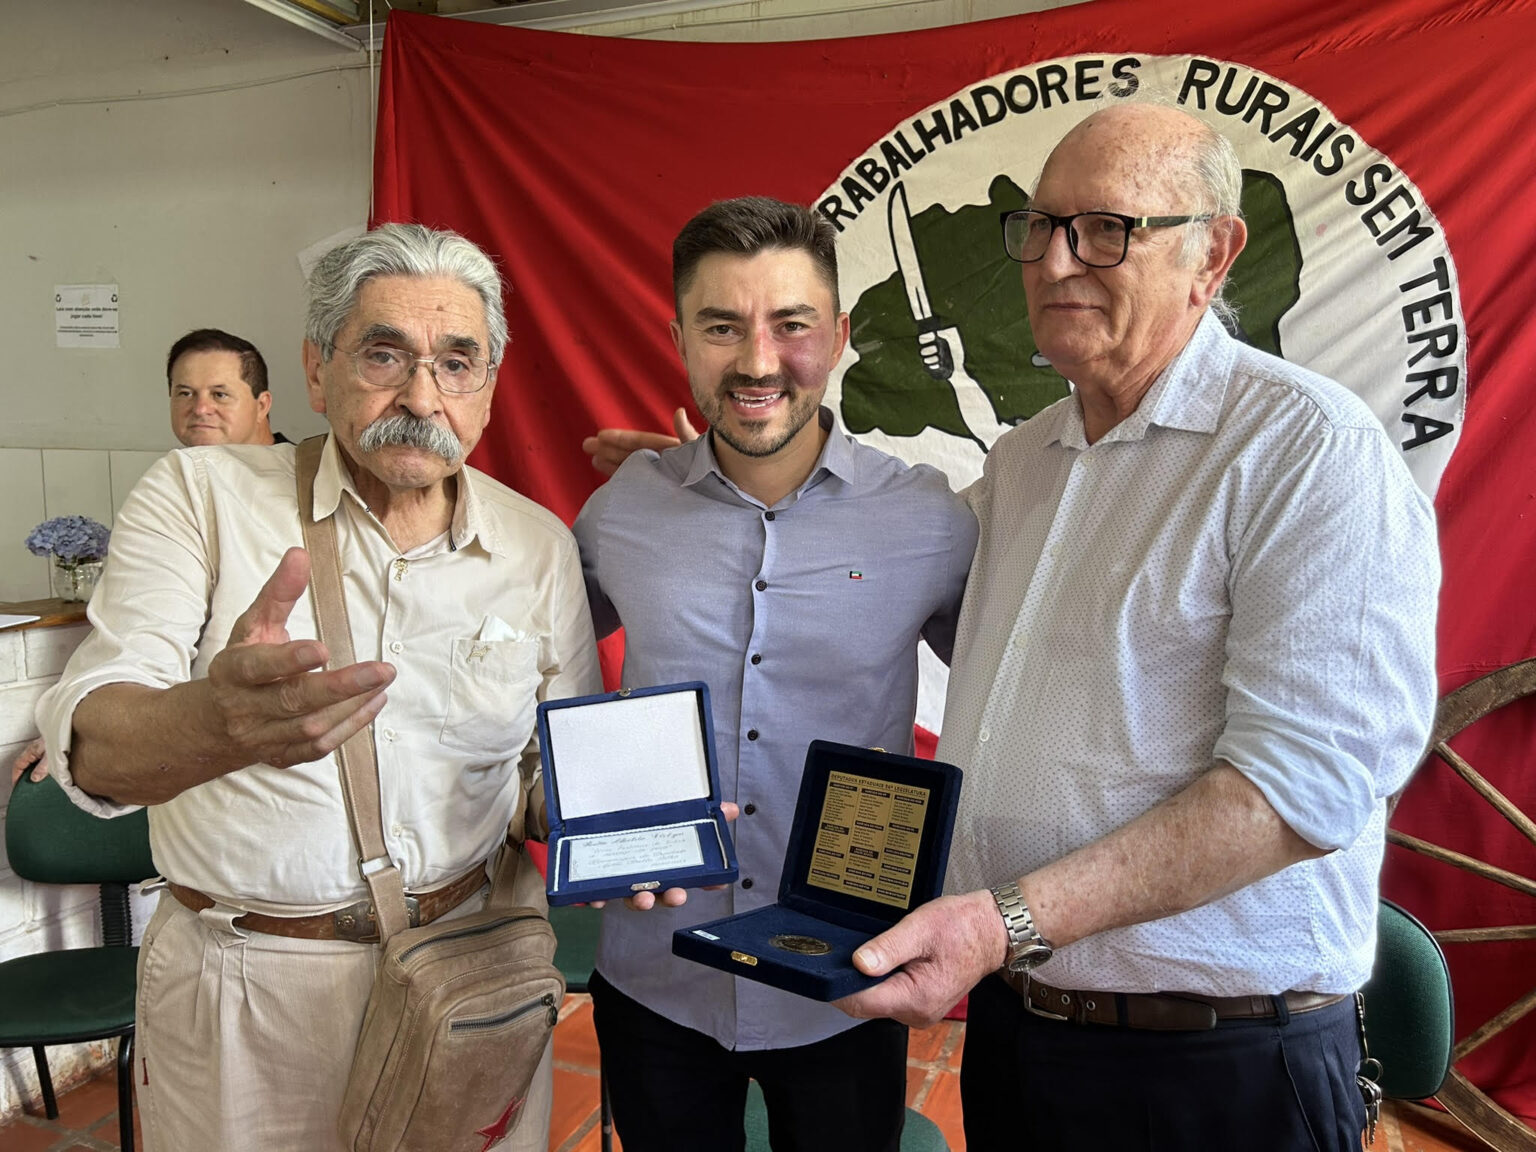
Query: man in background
pixel 219 395
pixel 218 388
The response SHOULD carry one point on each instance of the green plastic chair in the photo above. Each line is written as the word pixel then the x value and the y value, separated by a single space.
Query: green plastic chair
pixel 1409 1022
pixel 78 994
pixel 918 1134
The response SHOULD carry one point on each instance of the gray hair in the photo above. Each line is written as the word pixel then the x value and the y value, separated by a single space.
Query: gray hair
pixel 1216 176
pixel 400 250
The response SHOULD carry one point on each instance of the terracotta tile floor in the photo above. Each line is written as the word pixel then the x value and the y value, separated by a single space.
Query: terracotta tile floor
pixel 88 1115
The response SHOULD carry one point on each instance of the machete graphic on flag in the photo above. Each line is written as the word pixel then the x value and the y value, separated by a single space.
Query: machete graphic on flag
pixel 1393 248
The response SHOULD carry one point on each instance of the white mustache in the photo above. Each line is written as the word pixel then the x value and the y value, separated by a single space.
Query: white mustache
pixel 412 432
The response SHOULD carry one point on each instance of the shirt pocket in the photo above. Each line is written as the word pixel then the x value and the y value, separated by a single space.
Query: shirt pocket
pixel 493 690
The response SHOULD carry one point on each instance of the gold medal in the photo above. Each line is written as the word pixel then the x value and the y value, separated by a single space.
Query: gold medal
pixel 805 945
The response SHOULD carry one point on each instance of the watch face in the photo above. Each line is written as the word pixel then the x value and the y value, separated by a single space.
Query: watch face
pixel 1029 957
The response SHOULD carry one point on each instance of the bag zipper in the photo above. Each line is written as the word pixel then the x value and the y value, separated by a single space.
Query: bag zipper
pixel 478 930
pixel 547 1000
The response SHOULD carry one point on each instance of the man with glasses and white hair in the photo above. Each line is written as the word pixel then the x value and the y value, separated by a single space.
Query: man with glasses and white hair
pixel 203 694
pixel 1196 657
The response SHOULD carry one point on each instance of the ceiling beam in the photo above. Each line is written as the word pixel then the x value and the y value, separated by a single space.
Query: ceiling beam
pixel 300 13
pixel 552 15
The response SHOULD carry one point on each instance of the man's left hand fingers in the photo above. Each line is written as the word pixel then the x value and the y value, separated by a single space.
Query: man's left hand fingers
pixel 902 997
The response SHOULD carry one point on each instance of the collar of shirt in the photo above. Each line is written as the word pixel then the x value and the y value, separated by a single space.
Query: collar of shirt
pixel 836 459
pixel 1188 394
pixel 469 519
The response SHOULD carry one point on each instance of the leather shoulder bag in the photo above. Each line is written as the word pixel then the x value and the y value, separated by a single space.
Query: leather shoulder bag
pixel 462 1008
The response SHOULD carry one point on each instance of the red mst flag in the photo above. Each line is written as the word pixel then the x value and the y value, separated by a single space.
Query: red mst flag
pixel 1388 190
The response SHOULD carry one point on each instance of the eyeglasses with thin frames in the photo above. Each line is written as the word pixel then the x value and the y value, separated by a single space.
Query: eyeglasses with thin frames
pixel 384 366
pixel 1097 239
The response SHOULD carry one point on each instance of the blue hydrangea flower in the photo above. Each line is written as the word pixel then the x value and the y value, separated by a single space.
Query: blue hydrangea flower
pixel 70 539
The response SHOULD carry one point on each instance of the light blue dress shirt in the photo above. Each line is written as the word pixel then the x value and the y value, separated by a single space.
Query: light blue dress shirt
pixel 804 620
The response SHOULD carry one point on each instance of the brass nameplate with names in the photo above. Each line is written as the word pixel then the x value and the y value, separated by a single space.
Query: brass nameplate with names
pixel 867 838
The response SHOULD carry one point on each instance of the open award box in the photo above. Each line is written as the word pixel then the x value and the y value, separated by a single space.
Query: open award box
pixel 870 843
pixel 633 794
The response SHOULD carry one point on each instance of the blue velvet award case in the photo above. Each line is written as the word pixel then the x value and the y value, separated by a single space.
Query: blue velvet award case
pixel 870 843
pixel 633 794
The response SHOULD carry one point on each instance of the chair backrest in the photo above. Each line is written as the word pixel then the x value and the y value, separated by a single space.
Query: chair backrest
pixel 576 930
pixel 50 841
pixel 1409 1024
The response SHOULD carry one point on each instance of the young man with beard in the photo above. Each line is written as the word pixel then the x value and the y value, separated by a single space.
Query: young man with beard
pixel 793 570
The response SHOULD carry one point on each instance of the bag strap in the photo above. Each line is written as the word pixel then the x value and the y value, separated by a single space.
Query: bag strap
pixel 358 757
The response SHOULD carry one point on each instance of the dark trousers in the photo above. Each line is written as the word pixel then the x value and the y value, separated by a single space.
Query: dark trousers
pixel 673 1088
pixel 1260 1084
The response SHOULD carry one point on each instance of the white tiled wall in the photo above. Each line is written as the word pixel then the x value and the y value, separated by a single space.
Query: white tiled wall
pixel 35 917
pixel 39 483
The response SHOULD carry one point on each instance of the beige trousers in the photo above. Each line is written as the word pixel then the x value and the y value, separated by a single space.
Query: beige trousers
pixel 244 1040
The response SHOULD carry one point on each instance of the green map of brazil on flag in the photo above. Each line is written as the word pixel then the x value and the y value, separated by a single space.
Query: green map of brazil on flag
pixel 1392 247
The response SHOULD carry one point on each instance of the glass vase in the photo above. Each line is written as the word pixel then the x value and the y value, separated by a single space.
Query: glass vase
pixel 76 581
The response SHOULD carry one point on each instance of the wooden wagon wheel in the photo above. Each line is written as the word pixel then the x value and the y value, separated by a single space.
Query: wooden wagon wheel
pixel 1462 708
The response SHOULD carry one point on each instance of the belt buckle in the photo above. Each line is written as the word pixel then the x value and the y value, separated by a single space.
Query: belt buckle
pixel 356 921
pixel 1031 1007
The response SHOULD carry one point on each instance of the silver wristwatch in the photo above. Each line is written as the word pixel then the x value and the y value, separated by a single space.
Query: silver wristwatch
pixel 1026 947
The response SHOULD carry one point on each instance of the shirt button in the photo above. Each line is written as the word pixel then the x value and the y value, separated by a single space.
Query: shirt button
pixel 396 829
pixel 761 585
pixel 389 733
pixel 983 736
pixel 769 516
pixel 749 809
pixel 757 657
pixel 747 883
pixel 397 647
pixel 751 733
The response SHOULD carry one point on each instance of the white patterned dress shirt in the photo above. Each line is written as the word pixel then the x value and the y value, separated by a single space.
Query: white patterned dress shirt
pixel 1242 570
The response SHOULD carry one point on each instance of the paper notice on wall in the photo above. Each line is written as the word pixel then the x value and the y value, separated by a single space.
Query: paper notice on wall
pixel 85 315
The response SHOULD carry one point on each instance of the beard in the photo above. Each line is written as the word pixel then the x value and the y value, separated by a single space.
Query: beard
pixel 758 438
pixel 411 432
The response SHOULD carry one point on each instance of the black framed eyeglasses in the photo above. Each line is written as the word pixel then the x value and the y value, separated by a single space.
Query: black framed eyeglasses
pixel 385 366
pixel 1097 239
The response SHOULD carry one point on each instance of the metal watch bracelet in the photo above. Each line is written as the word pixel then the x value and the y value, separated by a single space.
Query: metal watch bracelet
pixel 1026 947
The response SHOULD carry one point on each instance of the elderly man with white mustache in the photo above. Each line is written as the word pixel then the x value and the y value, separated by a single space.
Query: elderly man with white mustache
pixel 202 694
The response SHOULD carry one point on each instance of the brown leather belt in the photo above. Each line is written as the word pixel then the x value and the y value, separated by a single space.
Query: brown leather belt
pixel 1158 1011
pixel 355 921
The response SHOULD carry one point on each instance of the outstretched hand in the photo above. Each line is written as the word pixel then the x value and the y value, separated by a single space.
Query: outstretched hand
pixel 612 446
pixel 270 696
pixel 933 956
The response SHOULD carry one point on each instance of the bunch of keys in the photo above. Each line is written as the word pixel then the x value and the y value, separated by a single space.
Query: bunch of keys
pixel 1368 1075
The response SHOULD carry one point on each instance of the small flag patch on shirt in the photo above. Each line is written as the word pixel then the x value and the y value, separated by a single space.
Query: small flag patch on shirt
pixel 855 574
